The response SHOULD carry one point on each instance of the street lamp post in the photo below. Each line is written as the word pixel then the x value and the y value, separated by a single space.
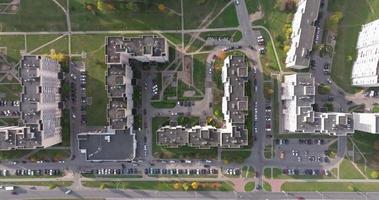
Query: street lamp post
pixel 285 194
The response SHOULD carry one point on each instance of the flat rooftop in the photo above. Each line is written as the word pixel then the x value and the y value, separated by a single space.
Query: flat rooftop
pixel 107 146
pixel 152 46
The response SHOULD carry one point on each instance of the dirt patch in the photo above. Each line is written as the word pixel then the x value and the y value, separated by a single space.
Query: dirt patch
pixel 186 74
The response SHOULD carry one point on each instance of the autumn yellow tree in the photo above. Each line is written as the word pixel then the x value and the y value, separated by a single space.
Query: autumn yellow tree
pixel 57 56
pixel 194 185
pixel 161 7
pixel 176 186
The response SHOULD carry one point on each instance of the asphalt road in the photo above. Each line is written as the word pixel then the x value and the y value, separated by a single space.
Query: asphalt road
pixel 26 193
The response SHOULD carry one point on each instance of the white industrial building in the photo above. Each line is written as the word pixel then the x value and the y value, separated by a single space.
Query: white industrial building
pixel 366 67
pixel 303 34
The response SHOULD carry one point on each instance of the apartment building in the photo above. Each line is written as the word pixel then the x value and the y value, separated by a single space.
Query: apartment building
pixel 40 106
pixel 303 34
pixel 365 71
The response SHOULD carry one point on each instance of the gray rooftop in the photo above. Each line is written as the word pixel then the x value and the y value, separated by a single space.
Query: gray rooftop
pixel 307 32
pixel 153 46
pixel 107 146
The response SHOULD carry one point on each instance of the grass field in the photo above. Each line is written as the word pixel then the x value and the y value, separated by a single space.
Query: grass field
pixel 228 18
pixel 41 15
pixel 50 154
pixel 199 70
pixel 11 92
pixel 65 123
pixel 13 43
pixel 274 20
pixel 330 187
pixel 159 185
pixel 93 45
pixel 13 154
pixel 195 11
pixel 181 152
pixel 41 183
pixel 234 156
pixel 143 16
pixel 266 186
pixel 164 104
pixel 348 171
pixel 268 60
pixel 348 30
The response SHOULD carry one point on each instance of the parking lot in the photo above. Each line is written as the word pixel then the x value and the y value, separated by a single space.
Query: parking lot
pixel 302 150
pixel 9 109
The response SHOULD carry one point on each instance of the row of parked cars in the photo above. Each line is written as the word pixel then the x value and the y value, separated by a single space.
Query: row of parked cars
pixel 37 172
pixel 311 141
pixel 233 171
pixel 158 171
pixel 9 103
pixel 311 172
pixel 9 113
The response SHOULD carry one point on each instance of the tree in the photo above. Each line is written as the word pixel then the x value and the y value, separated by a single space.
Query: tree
pixel 161 7
pixel 185 186
pixel 176 186
pixel 100 5
pixel 194 185
pixel 374 174
pixel 57 56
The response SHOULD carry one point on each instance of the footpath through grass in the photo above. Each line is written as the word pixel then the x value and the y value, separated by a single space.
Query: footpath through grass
pixel 348 171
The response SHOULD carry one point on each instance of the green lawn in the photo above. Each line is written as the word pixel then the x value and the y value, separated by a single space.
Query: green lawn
pixel 93 45
pixel 375 109
pixel 195 11
pixel 275 20
pixel 249 186
pixel 61 46
pixel 41 15
pixel 199 70
pixel 12 92
pixel 188 121
pixel 348 30
pixel 65 123
pixel 228 18
pixel 164 104
pixel 348 171
pixel 144 16
pixel 268 60
pixel 181 152
pixel 9 121
pixel 50 154
pixel 35 41
pixel 13 154
pixel 247 172
pixel 13 43
pixel 159 185
pixel 252 5
pixel 266 186
pixel 330 187
pixel 235 156
pixel 41 183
